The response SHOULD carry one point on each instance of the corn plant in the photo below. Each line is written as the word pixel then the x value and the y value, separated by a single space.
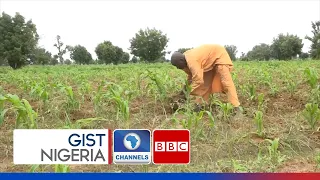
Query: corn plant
pixel 258 119
pixel 312 77
pixel 239 167
pixel 26 116
pixel 2 110
pixel 187 90
pixel 192 121
pixel 315 96
pixel 318 160
pixel 61 168
pixel 80 123
pixel 98 96
pixel 252 91
pixel 85 88
pixel 312 114
pixel 157 79
pixel 58 168
pixel 273 89
pixel 226 110
pixel 34 168
pixel 243 89
pixel 40 91
pixel 121 97
pixel 292 86
pixel 267 78
pixel 72 102
pixel 274 154
pixel 160 85
pixel 260 101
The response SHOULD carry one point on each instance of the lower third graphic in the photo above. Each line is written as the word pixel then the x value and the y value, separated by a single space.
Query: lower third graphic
pixel 131 146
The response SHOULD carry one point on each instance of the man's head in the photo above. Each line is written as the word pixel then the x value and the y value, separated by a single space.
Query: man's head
pixel 178 60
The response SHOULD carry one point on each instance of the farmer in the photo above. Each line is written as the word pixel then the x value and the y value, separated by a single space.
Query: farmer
pixel 208 68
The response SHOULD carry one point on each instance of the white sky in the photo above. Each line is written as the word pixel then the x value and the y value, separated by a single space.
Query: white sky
pixel 187 23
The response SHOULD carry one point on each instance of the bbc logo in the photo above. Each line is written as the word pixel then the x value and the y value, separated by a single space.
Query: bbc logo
pixel 171 146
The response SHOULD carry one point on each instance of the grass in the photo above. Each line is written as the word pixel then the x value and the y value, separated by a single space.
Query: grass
pixel 278 131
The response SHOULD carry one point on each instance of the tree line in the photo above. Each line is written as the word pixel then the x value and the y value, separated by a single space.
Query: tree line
pixel 19 46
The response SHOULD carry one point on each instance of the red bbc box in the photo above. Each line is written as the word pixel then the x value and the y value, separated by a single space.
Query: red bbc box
pixel 171 146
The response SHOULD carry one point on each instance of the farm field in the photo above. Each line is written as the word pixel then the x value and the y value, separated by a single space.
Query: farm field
pixel 277 132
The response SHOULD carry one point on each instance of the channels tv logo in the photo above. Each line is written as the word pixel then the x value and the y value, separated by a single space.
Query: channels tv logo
pixel 131 146
pixel 63 146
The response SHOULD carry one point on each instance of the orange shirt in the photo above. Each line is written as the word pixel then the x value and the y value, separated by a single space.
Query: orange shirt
pixel 202 59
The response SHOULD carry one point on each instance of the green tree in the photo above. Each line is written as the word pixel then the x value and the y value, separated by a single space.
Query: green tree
pixel 106 52
pixel 182 50
pixel 18 39
pixel 285 47
pixel 2 62
pixel 243 57
pixel 68 61
pixel 304 55
pixel 134 59
pixel 149 44
pixel 109 53
pixel 232 51
pixel 80 55
pixel 125 58
pixel 54 60
pixel 260 52
pixel 41 56
pixel 61 50
pixel 315 40
pixel 118 56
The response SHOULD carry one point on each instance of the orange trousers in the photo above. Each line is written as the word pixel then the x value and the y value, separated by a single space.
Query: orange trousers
pixel 218 80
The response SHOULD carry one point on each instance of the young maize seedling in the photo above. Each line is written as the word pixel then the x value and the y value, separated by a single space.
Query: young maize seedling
pixel 318 160
pixel 61 168
pixel 81 123
pixel 160 85
pixel 72 103
pixel 267 79
pixel 239 167
pixel 98 96
pixel 139 79
pixel 273 89
pixel 260 101
pixel 187 91
pixel 26 116
pixel 315 96
pixel 312 114
pixel 292 86
pixel 312 77
pixel 275 155
pixel 258 119
pixel 226 110
pixel 34 168
pixel 2 110
pixel 116 94
pixel 252 92
pixel 40 91
pixel 85 88
pixel 243 89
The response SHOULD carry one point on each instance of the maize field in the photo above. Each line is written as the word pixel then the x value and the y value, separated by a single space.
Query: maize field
pixel 278 131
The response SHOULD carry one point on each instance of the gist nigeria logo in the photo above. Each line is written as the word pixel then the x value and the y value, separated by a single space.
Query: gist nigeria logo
pixel 131 146
pixel 62 146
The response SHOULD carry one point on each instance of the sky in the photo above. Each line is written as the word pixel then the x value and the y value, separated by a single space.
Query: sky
pixel 187 23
